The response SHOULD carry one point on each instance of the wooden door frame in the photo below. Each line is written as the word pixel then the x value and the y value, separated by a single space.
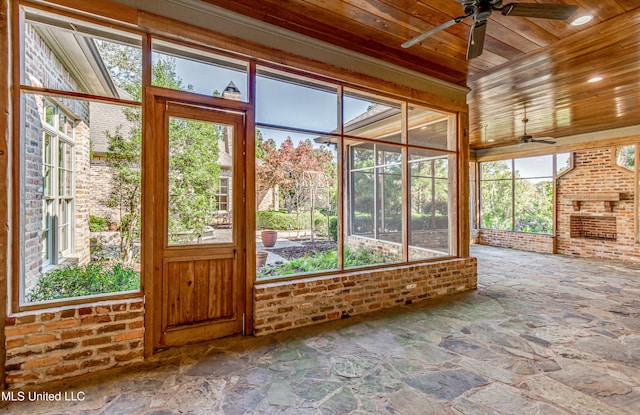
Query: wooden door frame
pixel 153 236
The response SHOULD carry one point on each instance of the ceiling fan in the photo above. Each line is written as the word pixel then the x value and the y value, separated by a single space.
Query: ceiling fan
pixel 527 138
pixel 482 9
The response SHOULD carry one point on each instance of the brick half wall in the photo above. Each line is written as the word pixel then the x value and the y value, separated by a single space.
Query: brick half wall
pixel 534 242
pixel 71 341
pixel 286 305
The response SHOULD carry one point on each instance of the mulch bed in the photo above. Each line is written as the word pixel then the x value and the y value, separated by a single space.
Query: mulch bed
pixel 292 252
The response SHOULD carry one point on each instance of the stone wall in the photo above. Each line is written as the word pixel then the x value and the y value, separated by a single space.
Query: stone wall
pixel 516 240
pixel 285 305
pixel 71 341
pixel 594 172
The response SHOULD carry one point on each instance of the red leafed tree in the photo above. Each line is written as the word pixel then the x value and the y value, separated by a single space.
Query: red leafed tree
pixel 286 166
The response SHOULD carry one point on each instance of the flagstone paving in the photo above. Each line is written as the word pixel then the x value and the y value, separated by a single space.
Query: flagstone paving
pixel 542 334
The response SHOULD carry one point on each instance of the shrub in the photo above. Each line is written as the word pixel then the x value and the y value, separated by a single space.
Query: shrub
pixel 97 223
pixel 273 219
pixel 322 261
pixel 76 281
pixel 333 227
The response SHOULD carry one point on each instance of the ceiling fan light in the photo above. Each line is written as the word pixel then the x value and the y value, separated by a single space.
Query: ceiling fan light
pixel 582 20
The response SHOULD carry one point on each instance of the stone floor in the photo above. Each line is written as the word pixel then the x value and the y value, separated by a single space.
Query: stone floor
pixel 541 335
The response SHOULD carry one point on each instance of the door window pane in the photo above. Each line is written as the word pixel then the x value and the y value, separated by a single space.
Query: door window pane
pixel 196 161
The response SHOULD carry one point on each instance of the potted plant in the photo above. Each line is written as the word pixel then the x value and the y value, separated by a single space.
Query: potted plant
pixel 269 238
pixel 261 258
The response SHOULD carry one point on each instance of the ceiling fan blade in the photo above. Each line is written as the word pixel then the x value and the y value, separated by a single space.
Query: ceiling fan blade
pixel 542 141
pixel 435 30
pixel 543 11
pixel 476 40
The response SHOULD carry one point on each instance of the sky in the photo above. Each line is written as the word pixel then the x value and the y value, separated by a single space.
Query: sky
pixel 278 102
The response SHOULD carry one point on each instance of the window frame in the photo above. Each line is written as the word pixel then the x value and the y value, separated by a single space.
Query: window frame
pixel 452 115
pixel 17 303
pixel 56 198
pixel 221 194
pixel 514 180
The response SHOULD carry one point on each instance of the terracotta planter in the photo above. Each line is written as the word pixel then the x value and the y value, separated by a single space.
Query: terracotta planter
pixel 269 238
pixel 261 258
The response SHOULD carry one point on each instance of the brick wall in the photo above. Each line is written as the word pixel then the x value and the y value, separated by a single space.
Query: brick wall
pixel 516 240
pixel 42 68
pixel 71 341
pixel 285 305
pixel 101 177
pixel 594 172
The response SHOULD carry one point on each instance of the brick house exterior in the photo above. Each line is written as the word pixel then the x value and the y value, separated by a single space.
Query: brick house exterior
pixel 44 68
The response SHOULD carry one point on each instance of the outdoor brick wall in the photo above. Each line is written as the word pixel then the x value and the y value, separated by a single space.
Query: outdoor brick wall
pixel 101 177
pixel 428 244
pixel 392 250
pixel 71 341
pixel 42 68
pixel 516 240
pixel 594 172
pixel 285 305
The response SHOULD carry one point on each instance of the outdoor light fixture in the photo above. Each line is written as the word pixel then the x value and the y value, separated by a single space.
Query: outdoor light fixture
pixel 582 20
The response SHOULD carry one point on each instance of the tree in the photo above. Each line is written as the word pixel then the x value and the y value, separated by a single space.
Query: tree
pixel 193 155
pixel 123 156
pixel 193 176
pixel 286 167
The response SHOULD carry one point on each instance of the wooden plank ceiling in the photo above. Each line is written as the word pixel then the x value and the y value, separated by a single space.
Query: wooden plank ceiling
pixel 539 64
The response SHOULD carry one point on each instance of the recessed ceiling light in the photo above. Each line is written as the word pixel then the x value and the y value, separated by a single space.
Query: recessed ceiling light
pixel 582 20
pixel 595 79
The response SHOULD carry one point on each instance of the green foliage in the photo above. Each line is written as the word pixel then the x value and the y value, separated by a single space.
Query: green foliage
pixel 333 227
pixel 123 156
pixel 273 219
pixel 193 158
pixel 322 261
pixel 193 174
pixel 77 281
pixel 300 170
pixel 422 221
pixel 501 191
pixel 97 223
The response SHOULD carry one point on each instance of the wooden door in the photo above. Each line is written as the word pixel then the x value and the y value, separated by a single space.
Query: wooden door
pixel 198 221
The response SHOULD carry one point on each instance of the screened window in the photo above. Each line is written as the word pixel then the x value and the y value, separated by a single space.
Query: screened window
pixel 193 70
pixel 625 157
pixel 300 149
pixel 517 194
pixel 79 169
